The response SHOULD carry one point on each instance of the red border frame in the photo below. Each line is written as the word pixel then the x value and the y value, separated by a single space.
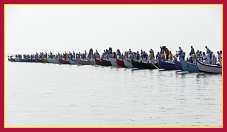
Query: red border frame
pixel 2 2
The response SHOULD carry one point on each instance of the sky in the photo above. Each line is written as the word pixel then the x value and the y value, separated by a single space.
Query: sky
pixel 44 28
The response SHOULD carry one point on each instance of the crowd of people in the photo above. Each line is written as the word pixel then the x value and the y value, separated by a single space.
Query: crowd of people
pixel 165 54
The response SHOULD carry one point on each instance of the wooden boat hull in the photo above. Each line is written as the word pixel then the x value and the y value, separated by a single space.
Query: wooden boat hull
pixel 120 62
pixel 106 62
pixel 186 66
pixel 63 61
pixel 113 62
pixel 208 68
pixel 73 62
pixel 25 60
pixel 17 60
pixel 84 62
pixel 178 65
pixel 141 65
pixel 11 59
pixel 54 61
pixel 33 60
pixel 98 62
pixel 127 63
pixel 167 65
pixel 45 60
pixel 39 60
pixel 92 60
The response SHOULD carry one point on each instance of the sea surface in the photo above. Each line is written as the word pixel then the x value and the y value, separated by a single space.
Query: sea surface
pixel 69 95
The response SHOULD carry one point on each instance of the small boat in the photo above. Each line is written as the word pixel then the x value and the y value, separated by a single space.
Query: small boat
pixel 98 62
pixel 33 60
pixel 39 60
pixel 190 67
pixel 53 60
pixel 17 60
pixel 106 62
pixel 208 68
pixel 142 65
pixel 73 62
pixel 120 62
pixel 178 65
pixel 92 60
pixel 11 59
pixel 113 62
pixel 167 65
pixel 45 60
pixel 84 62
pixel 25 60
pixel 127 63
pixel 63 61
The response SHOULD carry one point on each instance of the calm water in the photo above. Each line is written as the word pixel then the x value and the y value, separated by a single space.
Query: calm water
pixel 66 95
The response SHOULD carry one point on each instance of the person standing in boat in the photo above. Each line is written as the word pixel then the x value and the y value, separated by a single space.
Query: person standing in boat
pixel 151 56
pixel 162 49
pixel 114 55
pixel 74 55
pixel 162 56
pixel 205 58
pixel 208 51
pixel 141 53
pixel 167 54
pixel 220 58
pixel 70 56
pixel 213 59
pixel 118 53
pixel 192 51
pixel 51 55
pixel 170 56
pixel 218 54
pixel 201 56
pixel 158 56
pixel 145 56
pixel 110 50
pixel 130 55
pixel 180 53
pixel 183 56
pixel 97 55
pixel 85 54
pixel 126 55
pixel 137 56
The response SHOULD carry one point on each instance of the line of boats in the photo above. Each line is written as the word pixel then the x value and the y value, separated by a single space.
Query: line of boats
pixel 181 65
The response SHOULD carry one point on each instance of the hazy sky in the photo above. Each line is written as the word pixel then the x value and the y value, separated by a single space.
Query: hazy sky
pixel 32 28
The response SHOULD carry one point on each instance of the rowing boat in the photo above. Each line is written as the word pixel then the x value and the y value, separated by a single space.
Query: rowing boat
pixel 63 61
pixel 190 67
pixel 84 62
pixel 92 60
pixel 178 65
pixel 45 60
pixel 120 62
pixel 127 63
pixel 167 65
pixel 11 59
pixel 208 68
pixel 98 61
pixel 142 65
pixel 73 62
pixel 53 60
pixel 106 62
pixel 113 62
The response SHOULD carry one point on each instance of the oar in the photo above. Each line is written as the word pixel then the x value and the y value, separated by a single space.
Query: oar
pixel 154 65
